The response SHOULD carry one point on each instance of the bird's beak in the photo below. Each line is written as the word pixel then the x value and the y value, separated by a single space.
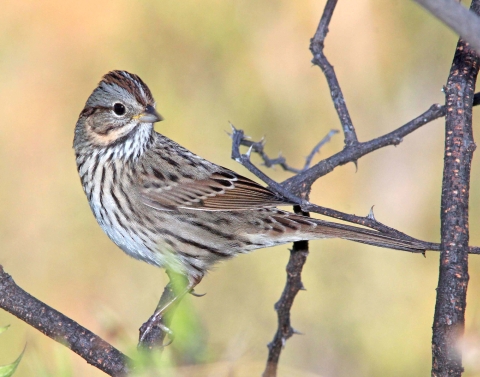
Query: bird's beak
pixel 150 115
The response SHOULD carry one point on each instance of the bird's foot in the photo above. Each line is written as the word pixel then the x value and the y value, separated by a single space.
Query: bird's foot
pixel 152 328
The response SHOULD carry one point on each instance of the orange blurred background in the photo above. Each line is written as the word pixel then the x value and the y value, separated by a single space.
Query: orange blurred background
pixel 367 311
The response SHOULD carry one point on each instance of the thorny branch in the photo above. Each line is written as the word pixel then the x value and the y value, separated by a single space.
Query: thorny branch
pixel 343 157
pixel 60 328
pixel 451 302
pixel 319 59
pixel 297 188
pixel 298 257
pixel 258 147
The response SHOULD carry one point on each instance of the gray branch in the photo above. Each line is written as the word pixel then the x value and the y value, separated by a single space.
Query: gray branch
pixel 463 21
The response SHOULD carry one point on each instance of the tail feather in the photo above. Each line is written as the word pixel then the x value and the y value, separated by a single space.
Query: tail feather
pixel 324 229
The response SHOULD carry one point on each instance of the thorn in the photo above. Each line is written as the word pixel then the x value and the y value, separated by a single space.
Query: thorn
pixel 249 152
pixel 356 165
pixel 424 253
pixel 296 332
pixel 370 215
pixel 263 140
pixel 233 127
pixel 302 287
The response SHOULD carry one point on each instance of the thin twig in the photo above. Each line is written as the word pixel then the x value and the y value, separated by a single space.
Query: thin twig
pixel 259 148
pixel 316 150
pixel 60 328
pixel 319 59
pixel 302 183
pixel 298 257
pixel 449 319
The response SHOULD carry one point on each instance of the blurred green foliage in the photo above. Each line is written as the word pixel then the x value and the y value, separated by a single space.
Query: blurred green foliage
pixel 9 369
pixel 367 311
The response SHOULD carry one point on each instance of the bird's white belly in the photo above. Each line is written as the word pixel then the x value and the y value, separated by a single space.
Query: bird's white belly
pixel 126 240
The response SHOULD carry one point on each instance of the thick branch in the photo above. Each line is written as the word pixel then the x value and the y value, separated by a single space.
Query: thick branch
pixel 60 328
pixel 464 22
pixel 449 319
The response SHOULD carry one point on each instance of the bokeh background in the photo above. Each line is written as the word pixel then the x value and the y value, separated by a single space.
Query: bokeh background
pixel 367 311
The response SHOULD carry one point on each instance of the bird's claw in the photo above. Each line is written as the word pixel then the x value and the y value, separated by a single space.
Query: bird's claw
pixel 194 294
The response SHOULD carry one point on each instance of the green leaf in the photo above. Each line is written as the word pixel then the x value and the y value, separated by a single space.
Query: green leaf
pixel 8 370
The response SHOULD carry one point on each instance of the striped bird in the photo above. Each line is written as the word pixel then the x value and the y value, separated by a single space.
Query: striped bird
pixel 163 204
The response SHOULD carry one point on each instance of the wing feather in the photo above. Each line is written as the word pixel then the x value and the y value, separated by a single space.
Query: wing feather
pixel 221 191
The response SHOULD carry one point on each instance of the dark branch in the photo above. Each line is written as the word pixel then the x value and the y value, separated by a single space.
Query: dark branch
pixel 298 257
pixel 60 328
pixel 301 184
pixel 319 59
pixel 282 190
pixel 449 319
pixel 258 147
pixel 464 22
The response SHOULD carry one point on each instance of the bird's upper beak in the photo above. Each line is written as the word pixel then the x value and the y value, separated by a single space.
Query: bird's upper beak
pixel 150 115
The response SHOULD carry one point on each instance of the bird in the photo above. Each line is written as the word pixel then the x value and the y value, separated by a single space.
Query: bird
pixel 164 205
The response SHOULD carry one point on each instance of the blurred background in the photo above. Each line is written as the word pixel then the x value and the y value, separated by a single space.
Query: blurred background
pixel 366 312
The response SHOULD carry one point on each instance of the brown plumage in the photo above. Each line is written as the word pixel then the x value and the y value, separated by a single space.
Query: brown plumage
pixel 169 207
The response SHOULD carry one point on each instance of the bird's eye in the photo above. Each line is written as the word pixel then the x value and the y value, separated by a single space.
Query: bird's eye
pixel 119 109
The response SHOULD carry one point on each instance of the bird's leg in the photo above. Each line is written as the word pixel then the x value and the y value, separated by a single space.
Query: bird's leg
pixel 153 332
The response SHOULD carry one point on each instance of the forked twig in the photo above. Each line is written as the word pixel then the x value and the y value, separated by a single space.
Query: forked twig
pixel 297 188
pixel 258 147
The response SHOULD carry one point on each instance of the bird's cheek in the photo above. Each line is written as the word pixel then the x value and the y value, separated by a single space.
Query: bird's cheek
pixel 102 132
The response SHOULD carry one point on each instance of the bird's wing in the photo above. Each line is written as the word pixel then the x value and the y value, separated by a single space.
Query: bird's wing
pixel 221 191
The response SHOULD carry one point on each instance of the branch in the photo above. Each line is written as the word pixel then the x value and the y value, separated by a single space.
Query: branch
pixel 60 328
pixel 298 257
pixel 352 154
pixel 464 22
pixel 258 147
pixel 449 319
pixel 301 183
pixel 282 192
pixel 319 59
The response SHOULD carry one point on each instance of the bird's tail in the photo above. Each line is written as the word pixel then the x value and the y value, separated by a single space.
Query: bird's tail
pixel 315 229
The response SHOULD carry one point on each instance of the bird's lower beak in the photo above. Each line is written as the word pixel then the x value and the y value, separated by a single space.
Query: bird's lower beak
pixel 150 115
